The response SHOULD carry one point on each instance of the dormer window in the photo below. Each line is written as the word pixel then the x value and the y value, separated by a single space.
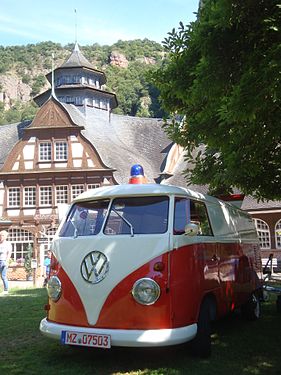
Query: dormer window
pixel 61 150
pixel 45 151
pixel 53 151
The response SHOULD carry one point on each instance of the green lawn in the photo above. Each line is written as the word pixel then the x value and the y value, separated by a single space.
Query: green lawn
pixel 239 347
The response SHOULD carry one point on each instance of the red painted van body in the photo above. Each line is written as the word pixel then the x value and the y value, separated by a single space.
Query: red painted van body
pixel 145 265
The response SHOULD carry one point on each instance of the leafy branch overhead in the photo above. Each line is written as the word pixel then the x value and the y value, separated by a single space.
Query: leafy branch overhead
pixel 224 76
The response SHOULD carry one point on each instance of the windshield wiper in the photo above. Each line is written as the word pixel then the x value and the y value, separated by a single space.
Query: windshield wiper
pixel 125 221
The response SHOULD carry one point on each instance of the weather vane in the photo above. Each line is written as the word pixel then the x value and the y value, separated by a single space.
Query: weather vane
pixel 75 11
pixel 53 76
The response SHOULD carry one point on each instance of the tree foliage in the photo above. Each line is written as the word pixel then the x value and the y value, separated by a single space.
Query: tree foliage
pixel 18 112
pixel 224 77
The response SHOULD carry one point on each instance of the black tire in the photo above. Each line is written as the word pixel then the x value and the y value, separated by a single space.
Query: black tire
pixel 251 310
pixel 278 303
pixel 201 344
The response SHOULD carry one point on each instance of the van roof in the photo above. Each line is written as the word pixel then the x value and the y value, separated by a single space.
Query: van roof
pixel 141 189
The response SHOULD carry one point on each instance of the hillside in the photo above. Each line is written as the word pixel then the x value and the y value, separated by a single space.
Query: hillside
pixel 127 65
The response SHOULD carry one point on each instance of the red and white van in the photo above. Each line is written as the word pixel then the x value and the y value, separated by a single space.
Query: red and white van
pixel 150 265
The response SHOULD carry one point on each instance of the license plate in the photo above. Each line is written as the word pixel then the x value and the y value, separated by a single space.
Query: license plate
pixel 85 339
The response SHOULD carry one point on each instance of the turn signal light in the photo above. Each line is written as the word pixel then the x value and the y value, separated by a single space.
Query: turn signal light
pixel 159 266
pixel 54 266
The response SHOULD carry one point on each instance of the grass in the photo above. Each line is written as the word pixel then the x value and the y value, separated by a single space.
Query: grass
pixel 239 347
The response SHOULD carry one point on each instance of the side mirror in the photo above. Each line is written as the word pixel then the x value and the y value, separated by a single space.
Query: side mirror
pixel 191 229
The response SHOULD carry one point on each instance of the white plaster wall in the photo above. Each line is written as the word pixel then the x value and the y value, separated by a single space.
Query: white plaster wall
pixel 77 150
pixel 29 151
pixel 60 165
pixel 77 163
pixel 13 212
pixel 15 166
pixel 28 164
pixel 44 165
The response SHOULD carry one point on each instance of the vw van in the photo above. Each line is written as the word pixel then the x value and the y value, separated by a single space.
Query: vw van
pixel 141 265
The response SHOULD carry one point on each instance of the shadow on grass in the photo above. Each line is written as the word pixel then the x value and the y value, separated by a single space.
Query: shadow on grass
pixel 239 347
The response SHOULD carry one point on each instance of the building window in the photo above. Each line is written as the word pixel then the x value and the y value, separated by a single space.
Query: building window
pixel 45 151
pixel 48 235
pixel 76 79
pixel 103 104
pixel 61 194
pixel 61 150
pixel 78 100
pixel 70 100
pixel 263 233
pixel 278 234
pixel 20 239
pixel 14 197
pixel 29 196
pixel 96 102
pixel 45 196
pixel 76 190
pixel 92 186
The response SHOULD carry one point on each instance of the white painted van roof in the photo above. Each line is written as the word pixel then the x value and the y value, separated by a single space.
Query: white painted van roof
pixel 142 189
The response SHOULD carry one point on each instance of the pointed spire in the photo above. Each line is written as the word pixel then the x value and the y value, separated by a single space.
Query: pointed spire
pixel 76 47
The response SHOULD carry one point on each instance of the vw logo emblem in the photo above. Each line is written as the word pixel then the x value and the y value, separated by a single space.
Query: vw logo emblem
pixel 94 267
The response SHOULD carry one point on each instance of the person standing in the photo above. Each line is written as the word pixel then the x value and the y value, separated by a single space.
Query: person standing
pixel 47 265
pixel 5 254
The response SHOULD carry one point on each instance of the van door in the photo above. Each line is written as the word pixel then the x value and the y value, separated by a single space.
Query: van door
pixel 228 250
pixel 195 262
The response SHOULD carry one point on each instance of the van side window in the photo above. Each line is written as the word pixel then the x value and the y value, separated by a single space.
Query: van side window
pixel 186 211
pixel 199 216
pixel 181 215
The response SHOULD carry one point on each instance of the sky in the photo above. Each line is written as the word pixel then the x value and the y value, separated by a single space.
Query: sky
pixel 104 22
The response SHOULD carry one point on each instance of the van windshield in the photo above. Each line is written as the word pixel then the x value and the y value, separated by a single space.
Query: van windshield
pixel 138 215
pixel 85 219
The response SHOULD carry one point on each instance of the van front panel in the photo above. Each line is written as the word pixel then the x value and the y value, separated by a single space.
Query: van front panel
pixel 103 248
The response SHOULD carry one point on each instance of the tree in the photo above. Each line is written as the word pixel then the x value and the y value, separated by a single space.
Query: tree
pixel 223 76
pixel 27 260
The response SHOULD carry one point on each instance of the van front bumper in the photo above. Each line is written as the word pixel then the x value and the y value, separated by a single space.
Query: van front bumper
pixel 125 337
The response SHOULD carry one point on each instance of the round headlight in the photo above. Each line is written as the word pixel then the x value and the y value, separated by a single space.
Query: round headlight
pixel 54 288
pixel 146 291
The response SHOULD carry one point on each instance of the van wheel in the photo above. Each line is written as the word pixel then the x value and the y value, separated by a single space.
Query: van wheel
pixel 201 344
pixel 251 310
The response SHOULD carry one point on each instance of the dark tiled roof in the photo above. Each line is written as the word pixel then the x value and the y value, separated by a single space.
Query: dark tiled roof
pixel 122 141
pixel 249 204
pixel 9 136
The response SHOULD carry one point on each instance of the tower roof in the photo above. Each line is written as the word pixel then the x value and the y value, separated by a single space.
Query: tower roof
pixel 77 59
